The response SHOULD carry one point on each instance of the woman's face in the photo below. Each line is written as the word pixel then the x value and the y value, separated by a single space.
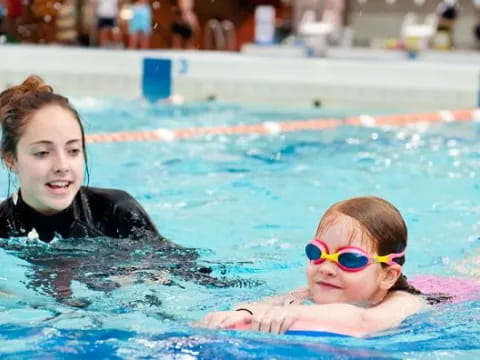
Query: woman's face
pixel 49 160
pixel 328 283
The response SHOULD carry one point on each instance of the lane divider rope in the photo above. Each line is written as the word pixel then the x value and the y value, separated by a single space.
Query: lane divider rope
pixel 272 128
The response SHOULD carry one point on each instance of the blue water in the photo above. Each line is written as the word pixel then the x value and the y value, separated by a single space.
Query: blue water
pixel 249 204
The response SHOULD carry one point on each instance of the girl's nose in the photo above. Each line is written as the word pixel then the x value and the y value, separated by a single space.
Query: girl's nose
pixel 328 268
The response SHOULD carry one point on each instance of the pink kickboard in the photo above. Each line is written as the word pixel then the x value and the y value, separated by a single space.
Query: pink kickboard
pixel 461 289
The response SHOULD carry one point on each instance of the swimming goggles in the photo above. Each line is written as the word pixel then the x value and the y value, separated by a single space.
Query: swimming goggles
pixel 348 258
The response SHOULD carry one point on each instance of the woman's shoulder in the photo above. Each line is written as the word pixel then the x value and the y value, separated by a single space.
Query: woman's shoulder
pixel 119 201
pixel 105 194
pixel 6 214
pixel 3 204
pixel 3 210
pixel 121 213
pixel 108 198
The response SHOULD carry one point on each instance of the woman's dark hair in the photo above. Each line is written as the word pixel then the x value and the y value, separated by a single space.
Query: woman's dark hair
pixel 383 224
pixel 19 103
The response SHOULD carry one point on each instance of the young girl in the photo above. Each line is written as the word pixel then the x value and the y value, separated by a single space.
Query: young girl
pixel 355 284
pixel 43 144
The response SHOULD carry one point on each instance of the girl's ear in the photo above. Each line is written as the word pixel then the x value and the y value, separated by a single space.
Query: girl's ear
pixel 390 276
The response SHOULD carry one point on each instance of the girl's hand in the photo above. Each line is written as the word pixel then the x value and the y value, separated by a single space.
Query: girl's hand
pixel 224 319
pixel 273 319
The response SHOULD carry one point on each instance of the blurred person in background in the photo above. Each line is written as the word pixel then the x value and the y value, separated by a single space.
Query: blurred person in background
pixel 66 23
pixel 324 11
pixel 301 6
pixel 334 10
pixel 140 25
pixel 13 13
pixel 87 22
pixel 220 35
pixel 476 29
pixel 2 11
pixel 185 25
pixel 107 13
pixel 447 12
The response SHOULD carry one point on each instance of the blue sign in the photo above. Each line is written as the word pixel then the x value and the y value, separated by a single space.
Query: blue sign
pixel 157 79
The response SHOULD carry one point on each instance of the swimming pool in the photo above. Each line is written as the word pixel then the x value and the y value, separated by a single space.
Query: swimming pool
pixel 249 203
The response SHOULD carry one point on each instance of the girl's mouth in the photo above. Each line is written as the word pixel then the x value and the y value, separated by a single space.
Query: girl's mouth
pixel 327 285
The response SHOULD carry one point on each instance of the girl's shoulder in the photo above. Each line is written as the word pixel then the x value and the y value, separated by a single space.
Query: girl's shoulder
pixel 406 299
pixel 424 299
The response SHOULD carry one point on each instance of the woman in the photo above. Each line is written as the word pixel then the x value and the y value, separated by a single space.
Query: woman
pixel 43 144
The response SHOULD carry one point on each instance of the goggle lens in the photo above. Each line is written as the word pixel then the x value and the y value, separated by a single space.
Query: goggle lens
pixel 313 252
pixel 352 260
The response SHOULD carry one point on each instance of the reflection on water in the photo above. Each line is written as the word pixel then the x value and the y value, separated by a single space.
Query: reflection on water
pixel 105 264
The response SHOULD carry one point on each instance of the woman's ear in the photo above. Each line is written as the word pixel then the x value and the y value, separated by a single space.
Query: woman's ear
pixel 390 276
pixel 9 161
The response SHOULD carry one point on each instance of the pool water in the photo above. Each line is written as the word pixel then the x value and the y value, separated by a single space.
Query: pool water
pixel 248 204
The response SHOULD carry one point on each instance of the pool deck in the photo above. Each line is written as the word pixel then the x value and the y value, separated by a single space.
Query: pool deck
pixel 347 77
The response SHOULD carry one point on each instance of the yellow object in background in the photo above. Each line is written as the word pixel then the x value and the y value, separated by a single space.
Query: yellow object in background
pixel 442 40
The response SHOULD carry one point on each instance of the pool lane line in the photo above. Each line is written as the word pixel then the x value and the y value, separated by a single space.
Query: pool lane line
pixel 271 127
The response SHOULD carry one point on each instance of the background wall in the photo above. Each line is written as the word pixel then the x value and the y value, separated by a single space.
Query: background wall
pixel 428 84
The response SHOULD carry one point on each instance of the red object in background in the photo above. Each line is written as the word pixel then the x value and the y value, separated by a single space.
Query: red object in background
pixel 14 8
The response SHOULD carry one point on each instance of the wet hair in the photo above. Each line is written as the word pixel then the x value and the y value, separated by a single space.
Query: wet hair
pixel 379 221
pixel 19 103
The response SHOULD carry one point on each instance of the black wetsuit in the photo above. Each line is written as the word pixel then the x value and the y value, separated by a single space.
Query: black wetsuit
pixel 94 212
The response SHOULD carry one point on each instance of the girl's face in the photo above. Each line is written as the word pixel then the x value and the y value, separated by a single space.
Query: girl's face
pixel 328 283
pixel 50 161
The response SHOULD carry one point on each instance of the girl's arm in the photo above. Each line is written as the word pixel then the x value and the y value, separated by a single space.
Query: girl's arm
pixel 241 317
pixel 338 318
